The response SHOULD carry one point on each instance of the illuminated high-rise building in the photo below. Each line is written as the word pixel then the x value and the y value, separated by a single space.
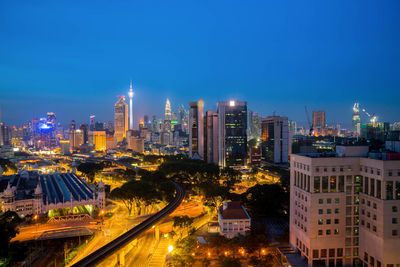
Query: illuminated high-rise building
pixel 275 140
pixel 167 110
pixel 318 119
pixel 356 116
pixel 51 118
pixel 196 129
pixel 92 126
pixel 120 119
pixel 211 137
pixel 232 137
pixel 99 140
pixel 130 95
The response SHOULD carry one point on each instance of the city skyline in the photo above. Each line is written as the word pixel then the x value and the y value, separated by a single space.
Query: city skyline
pixel 327 56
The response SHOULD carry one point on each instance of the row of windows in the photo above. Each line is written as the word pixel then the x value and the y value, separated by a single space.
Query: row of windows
pixel 328 232
pixel 328 201
pixel 324 253
pixel 327 184
pixel 328 211
pixel 328 221
pixel 333 169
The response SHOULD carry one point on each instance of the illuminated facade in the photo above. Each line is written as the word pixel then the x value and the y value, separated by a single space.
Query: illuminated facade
pixel 98 140
pixel 130 95
pixel 232 133
pixel 211 137
pixel 30 193
pixel 318 120
pixel 275 139
pixel 196 129
pixel 233 219
pixel 167 110
pixel 344 208
pixel 120 119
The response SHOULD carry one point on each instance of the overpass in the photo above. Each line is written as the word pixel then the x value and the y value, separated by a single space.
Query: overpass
pixel 133 233
pixel 65 232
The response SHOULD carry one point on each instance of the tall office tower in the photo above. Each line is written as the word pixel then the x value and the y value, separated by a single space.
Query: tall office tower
pixel 146 121
pixel 110 127
pixel 51 118
pixel 196 129
pixel 181 114
pixel 211 137
pixel 174 117
pixel 72 125
pixel 232 137
pixel 318 120
pixel 344 208
pixel 167 110
pixel 92 125
pixel 4 134
pixel 85 132
pixel 154 124
pixel 120 119
pixel 76 139
pixel 275 140
pixel 356 119
pixel 130 95
pixel 99 140
pixel 292 127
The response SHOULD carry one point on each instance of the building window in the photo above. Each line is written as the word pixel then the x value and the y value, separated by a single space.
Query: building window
pixel 320 211
pixel 332 183
pixel 336 211
pixel 331 252
pixel 394 220
pixel 328 232
pixel 394 232
pixel 320 201
pixel 315 253
pixel 328 221
pixel 339 252
pixel 336 232
pixel 337 200
pixel 394 208
pixel 316 184
pixel 319 232
pixel 325 184
pixel 374 228
pixel 323 253
pixel 389 190
pixel 328 200
pixel 336 221
pixel 328 211
pixel 320 221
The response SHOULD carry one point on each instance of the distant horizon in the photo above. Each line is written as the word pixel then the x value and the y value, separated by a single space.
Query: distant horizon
pixel 74 59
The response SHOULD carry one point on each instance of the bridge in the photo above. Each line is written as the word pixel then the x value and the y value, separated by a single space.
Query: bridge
pixel 69 218
pixel 132 234
pixel 65 232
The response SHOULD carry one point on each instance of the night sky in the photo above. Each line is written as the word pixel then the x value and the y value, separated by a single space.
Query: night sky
pixel 75 57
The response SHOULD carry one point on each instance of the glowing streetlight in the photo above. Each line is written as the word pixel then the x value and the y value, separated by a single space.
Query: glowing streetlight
pixel 209 254
pixel 170 248
pixel 226 253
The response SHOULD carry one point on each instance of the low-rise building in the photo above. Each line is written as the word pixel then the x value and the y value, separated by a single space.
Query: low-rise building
pixel 233 219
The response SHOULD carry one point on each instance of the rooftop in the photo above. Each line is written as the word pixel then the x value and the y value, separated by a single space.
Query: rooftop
pixel 233 210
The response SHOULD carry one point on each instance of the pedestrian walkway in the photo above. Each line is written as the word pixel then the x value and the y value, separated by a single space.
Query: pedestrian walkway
pixel 158 258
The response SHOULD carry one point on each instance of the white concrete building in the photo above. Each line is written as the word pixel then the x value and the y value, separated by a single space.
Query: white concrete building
pixel 345 208
pixel 233 219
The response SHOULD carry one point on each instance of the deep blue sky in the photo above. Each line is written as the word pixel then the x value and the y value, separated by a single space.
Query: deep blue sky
pixel 75 57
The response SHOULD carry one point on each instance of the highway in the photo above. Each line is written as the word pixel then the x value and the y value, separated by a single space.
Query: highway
pixel 127 237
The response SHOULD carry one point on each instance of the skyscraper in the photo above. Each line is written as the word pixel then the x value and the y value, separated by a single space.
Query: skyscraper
pixel 120 119
pixel 318 119
pixel 196 129
pixel 232 126
pixel 356 119
pixel 275 139
pixel 92 125
pixel 211 137
pixel 167 110
pixel 130 95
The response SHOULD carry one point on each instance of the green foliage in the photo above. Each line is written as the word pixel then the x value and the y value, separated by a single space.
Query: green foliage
pixel 267 200
pixel 6 165
pixel 8 230
pixel 90 169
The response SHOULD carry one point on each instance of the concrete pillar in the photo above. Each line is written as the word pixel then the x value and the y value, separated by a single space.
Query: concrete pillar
pixel 157 233
pixel 122 257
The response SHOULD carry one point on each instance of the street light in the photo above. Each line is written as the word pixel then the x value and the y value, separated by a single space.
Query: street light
pixel 170 248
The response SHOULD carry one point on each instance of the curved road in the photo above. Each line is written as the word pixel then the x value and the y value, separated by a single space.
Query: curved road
pixel 127 237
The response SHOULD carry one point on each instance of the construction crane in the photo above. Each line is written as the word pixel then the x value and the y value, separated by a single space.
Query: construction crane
pixel 310 125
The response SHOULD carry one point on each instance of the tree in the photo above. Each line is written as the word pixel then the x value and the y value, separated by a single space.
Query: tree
pixel 90 169
pixel 267 200
pixel 183 222
pixel 8 230
pixel 228 262
pixel 7 165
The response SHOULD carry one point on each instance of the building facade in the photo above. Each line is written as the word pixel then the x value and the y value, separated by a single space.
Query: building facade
pixel 318 120
pixel 233 219
pixel 211 137
pixel 196 129
pixel 232 133
pixel 32 193
pixel 345 208
pixel 120 119
pixel 275 140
